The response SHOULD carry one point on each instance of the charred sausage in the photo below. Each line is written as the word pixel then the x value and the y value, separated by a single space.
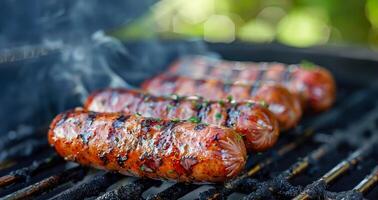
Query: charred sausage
pixel 313 84
pixel 281 102
pixel 147 147
pixel 252 120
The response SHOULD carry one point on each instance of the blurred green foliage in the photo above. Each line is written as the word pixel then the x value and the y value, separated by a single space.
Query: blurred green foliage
pixel 298 23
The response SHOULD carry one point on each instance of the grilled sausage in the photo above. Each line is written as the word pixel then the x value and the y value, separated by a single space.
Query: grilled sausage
pixel 252 120
pixel 281 102
pixel 147 147
pixel 314 85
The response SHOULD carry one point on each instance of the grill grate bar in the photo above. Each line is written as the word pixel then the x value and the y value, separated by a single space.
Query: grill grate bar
pixel 53 181
pixel 130 191
pixel 88 188
pixel 368 182
pixel 280 183
pixel 26 172
pixel 174 192
pixel 231 185
pixel 319 186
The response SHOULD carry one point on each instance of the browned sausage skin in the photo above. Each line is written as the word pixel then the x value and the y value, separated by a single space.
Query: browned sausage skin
pixel 146 147
pixel 315 85
pixel 252 120
pixel 281 102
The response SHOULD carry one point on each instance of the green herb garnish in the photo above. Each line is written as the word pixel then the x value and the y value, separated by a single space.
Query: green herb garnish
pixel 307 64
pixel 175 120
pixel 169 107
pixel 194 120
pixel 198 106
pixel 158 127
pixel 158 119
pixel 221 102
pixel 264 104
pixel 229 98
pixel 218 116
pixel 239 137
pixel 171 171
pixel 205 103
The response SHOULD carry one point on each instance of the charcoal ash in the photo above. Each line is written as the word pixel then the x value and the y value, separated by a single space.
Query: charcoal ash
pixel 316 189
pixel 348 195
pixel 130 191
pixel 283 188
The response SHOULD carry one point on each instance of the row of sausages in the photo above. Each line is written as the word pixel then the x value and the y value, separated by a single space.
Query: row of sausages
pixel 200 134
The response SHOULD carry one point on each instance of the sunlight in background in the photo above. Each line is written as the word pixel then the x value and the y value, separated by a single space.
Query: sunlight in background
pixel 219 28
pixel 299 23
pixel 302 28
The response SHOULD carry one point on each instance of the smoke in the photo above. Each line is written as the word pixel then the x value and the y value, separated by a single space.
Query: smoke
pixel 59 53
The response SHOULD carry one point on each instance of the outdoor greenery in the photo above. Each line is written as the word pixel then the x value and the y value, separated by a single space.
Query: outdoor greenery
pixel 299 23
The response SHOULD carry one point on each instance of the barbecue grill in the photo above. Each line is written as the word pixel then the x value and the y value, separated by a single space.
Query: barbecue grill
pixel 329 155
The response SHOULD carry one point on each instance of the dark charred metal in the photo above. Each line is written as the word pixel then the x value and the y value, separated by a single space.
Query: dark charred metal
pixel 174 192
pixel 313 190
pixel 279 185
pixel 130 191
pixel 46 184
pixel 25 173
pixel 368 183
pixel 89 188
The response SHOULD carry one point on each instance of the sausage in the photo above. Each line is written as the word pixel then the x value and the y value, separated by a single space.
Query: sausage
pixel 147 147
pixel 285 106
pixel 313 84
pixel 250 119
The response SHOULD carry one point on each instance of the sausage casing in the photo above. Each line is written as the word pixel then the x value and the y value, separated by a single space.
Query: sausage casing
pixel 252 120
pixel 285 106
pixel 313 84
pixel 146 147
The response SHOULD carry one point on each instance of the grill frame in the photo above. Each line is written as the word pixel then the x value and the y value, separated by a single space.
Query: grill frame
pixel 358 86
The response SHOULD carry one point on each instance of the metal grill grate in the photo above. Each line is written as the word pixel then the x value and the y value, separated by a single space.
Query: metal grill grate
pixel 331 155
pixel 270 175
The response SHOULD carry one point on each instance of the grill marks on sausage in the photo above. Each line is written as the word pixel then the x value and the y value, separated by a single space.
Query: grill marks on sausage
pixel 62 120
pixel 257 84
pixel 227 87
pixel 287 74
pixel 146 125
pixel 163 143
pixel 121 160
pixel 86 133
pixel 203 112
pixel 199 127
pixel 120 121
pixel 174 103
pixel 103 157
pixel 232 116
pixel 170 152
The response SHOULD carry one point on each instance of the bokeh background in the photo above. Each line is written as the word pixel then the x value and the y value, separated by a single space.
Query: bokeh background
pixel 299 23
